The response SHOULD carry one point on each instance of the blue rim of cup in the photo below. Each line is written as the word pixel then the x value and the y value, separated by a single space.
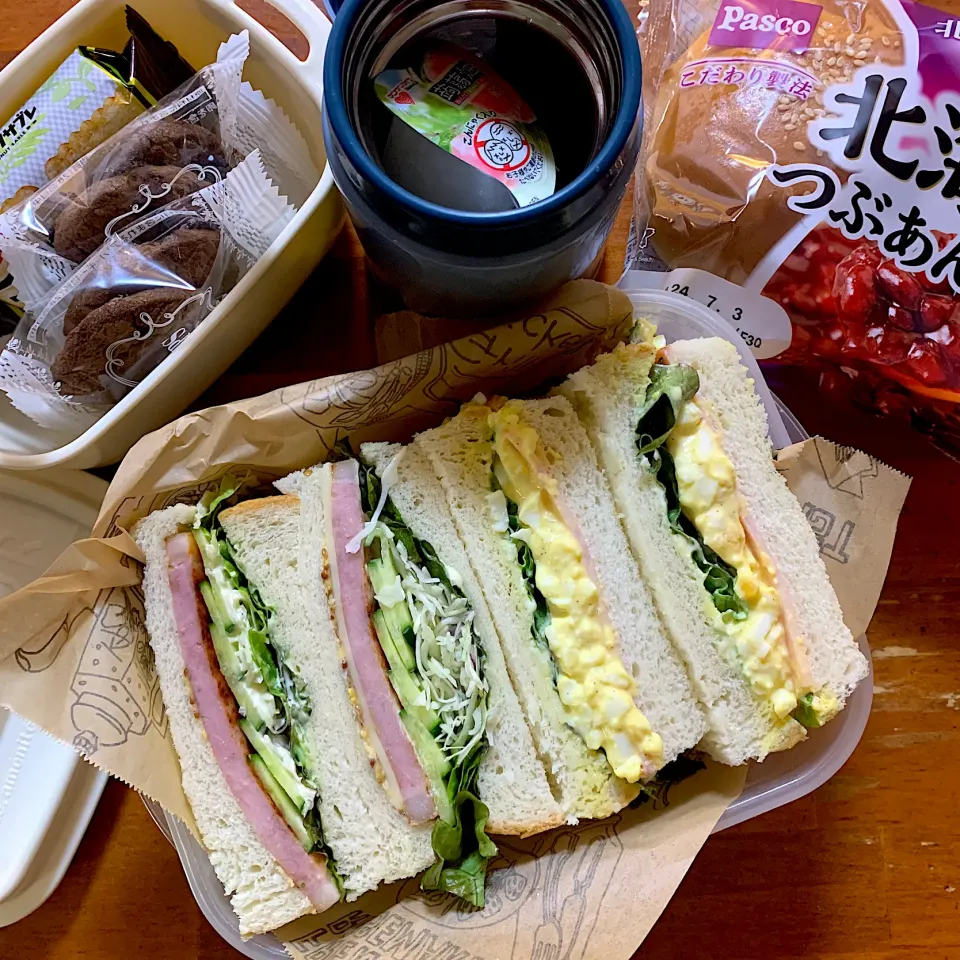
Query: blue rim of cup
pixel 627 114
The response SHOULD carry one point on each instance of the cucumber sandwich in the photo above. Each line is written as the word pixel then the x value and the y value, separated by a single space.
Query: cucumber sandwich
pixel 240 709
pixel 443 730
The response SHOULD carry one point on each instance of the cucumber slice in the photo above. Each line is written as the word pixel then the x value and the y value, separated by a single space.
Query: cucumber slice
pixel 393 651
pixel 383 573
pixel 227 655
pixel 301 795
pixel 408 690
pixel 308 840
pixel 403 637
pixel 435 765
pixel 257 705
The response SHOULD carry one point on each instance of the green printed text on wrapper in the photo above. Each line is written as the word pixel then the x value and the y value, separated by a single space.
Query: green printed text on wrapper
pixel 459 103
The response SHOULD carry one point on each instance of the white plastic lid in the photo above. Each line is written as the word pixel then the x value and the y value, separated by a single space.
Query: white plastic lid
pixel 40 514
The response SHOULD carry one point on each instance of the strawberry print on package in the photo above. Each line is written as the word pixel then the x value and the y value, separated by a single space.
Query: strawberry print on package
pixel 802 178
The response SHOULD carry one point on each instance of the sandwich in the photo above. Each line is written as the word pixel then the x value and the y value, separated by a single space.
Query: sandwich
pixel 729 557
pixel 605 696
pixel 239 711
pixel 445 734
pixel 283 788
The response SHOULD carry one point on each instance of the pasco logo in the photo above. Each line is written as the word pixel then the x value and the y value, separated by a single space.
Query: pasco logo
pixel 765 24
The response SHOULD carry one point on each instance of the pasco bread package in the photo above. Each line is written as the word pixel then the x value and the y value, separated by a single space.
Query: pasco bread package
pixel 182 144
pixel 801 176
pixel 97 334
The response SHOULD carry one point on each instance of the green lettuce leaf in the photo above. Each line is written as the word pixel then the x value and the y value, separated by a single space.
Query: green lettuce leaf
pixel 658 789
pixel 805 713
pixel 670 387
pixel 528 570
pixel 463 848
pixel 719 578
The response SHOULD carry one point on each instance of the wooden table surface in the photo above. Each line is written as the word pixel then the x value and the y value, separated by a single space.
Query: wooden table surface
pixel 867 867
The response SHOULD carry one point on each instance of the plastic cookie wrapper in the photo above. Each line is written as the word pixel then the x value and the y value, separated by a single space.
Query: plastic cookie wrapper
pixel 87 99
pixel 91 95
pixel 182 144
pixel 800 177
pixel 96 335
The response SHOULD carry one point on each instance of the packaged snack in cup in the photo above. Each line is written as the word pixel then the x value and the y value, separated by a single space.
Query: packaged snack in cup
pixel 458 102
pixel 87 99
pixel 799 177
pixel 84 102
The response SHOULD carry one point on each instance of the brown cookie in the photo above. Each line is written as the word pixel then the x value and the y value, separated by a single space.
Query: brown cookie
pixel 165 143
pixel 87 300
pixel 79 228
pixel 80 367
pixel 189 252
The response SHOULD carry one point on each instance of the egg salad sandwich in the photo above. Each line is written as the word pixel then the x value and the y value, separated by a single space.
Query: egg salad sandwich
pixel 729 557
pixel 444 731
pixel 605 696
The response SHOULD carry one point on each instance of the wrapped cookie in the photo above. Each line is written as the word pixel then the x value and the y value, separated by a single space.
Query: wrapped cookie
pixel 182 144
pixel 96 335
pixel 87 99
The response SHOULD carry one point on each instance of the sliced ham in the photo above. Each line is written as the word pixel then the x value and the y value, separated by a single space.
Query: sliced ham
pixel 379 708
pixel 217 710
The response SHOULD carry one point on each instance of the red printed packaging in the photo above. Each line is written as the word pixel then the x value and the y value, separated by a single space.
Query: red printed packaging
pixel 802 177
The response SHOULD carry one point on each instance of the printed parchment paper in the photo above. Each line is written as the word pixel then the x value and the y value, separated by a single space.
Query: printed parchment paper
pixel 75 659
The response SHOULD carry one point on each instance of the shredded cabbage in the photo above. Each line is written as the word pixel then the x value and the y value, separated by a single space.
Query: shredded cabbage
pixel 389 479
pixel 446 649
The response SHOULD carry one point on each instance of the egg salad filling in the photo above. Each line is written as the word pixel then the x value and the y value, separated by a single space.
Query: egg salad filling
pixel 703 507
pixel 596 689
pixel 706 485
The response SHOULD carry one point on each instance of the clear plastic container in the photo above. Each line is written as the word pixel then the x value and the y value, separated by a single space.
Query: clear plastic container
pixel 780 779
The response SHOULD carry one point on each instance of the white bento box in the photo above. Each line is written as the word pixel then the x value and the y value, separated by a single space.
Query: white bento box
pixel 197 27
pixel 780 779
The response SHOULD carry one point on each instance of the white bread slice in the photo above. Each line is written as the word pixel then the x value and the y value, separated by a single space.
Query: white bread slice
pixel 462 456
pixel 836 663
pixel 370 841
pixel 608 397
pixel 664 693
pixel 262 895
pixel 511 780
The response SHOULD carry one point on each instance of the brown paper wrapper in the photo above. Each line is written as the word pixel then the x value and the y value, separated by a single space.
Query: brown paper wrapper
pixel 75 659
pixel 589 891
pixel 852 501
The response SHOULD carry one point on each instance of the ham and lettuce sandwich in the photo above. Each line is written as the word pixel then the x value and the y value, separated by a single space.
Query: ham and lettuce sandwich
pixel 239 709
pixel 730 559
pixel 282 775
pixel 605 696
pixel 445 734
